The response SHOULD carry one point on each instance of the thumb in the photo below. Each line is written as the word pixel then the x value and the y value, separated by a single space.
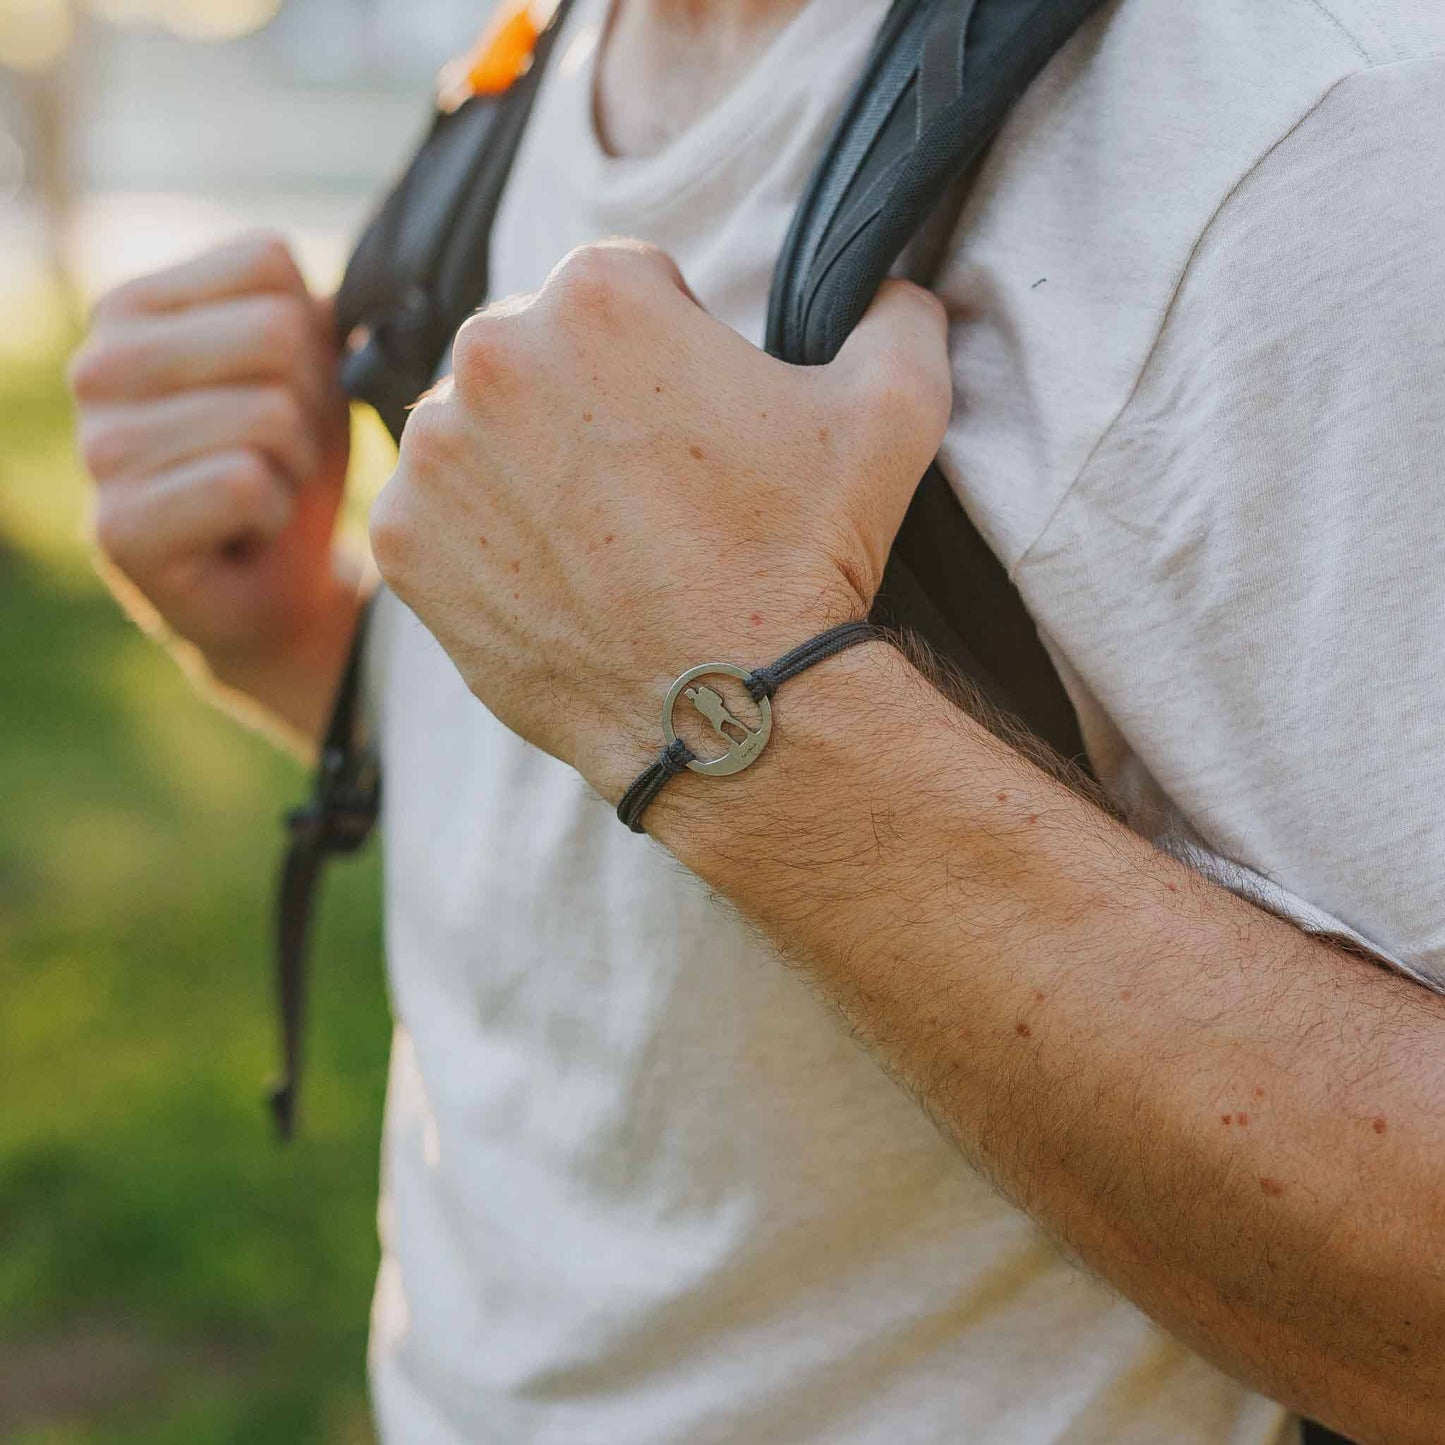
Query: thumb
pixel 896 366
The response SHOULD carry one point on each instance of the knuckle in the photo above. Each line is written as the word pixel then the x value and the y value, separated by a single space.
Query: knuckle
pixel 430 444
pixel 120 301
pixel 102 446
pixel 246 485
pixel 282 326
pixel 90 370
pixel 483 354
pixel 593 278
pixel 389 530
pixel 265 258
pixel 280 417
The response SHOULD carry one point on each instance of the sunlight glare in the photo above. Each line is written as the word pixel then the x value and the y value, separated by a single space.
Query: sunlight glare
pixel 218 19
pixel 34 34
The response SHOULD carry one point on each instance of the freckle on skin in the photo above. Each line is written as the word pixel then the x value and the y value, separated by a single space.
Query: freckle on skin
pixel 1022 1030
pixel 1002 797
pixel 1272 1187
pixel 756 619
pixel 481 541
pixel 658 390
pixel 1244 1121
pixel 1259 1093
pixel 609 538
pixel 695 452
pixel 824 436
pixel 1380 1125
pixel 1033 817
pixel 516 597
pixel 586 416
pixel 1172 887
pixel 1127 995
pixel 1039 996
pixel 514 566
pixel 1226 1118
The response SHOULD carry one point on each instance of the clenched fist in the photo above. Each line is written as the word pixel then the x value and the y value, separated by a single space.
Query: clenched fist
pixel 212 422
pixel 615 486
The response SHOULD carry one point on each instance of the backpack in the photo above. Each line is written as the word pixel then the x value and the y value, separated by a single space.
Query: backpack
pixel 940 80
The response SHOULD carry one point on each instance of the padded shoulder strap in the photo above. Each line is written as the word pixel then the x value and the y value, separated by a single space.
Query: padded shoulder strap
pixel 942 78
pixel 422 265
pixel 939 83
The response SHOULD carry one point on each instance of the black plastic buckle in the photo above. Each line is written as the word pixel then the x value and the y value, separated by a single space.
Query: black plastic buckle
pixel 339 816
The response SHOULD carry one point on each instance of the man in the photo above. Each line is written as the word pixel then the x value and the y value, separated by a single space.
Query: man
pixel 640 1185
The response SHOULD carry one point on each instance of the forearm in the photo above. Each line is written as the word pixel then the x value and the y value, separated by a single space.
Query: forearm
pixel 1236 1125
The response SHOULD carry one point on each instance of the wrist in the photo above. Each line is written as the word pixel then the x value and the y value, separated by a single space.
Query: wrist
pixel 829 724
pixel 293 678
pixel 624 735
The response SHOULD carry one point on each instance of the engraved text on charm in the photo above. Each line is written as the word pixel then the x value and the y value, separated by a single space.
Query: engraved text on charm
pixel 744 743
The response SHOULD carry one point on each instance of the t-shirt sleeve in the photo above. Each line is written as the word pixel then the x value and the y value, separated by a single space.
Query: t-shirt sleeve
pixel 1249 573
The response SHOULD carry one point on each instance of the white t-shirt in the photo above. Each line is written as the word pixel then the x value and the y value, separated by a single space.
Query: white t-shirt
pixel 639 1187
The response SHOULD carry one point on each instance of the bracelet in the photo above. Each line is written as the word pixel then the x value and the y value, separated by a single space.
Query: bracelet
pixel 745 744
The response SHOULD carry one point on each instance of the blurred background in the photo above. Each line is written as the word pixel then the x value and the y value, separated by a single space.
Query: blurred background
pixel 167 1271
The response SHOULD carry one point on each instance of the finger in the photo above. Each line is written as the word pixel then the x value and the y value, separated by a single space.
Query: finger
pixel 246 339
pixel 133 440
pixel 896 365
pixel 904 320
pixel 199 506
pixel 255 263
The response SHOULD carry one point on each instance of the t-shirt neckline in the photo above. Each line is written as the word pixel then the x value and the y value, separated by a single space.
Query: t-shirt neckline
pixel 638 185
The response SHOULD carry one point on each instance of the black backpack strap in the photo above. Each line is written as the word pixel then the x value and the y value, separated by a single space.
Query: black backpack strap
pixel 940 81
pixel 418 272
pixel 422 265
pixel 1312 1434
pixel 338 818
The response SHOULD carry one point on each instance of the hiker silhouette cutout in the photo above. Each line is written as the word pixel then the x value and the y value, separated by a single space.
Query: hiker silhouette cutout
pixel 715 710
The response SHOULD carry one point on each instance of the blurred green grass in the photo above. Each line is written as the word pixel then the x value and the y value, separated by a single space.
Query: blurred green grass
pixel 168 1272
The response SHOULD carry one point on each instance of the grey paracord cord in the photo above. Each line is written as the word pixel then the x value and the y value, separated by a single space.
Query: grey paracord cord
pixel 760 684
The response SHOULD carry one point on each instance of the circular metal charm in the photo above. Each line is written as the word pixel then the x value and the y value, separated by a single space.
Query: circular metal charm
pixel 744 743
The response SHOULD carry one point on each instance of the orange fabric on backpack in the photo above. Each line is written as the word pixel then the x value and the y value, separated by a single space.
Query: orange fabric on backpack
pixel 503 53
